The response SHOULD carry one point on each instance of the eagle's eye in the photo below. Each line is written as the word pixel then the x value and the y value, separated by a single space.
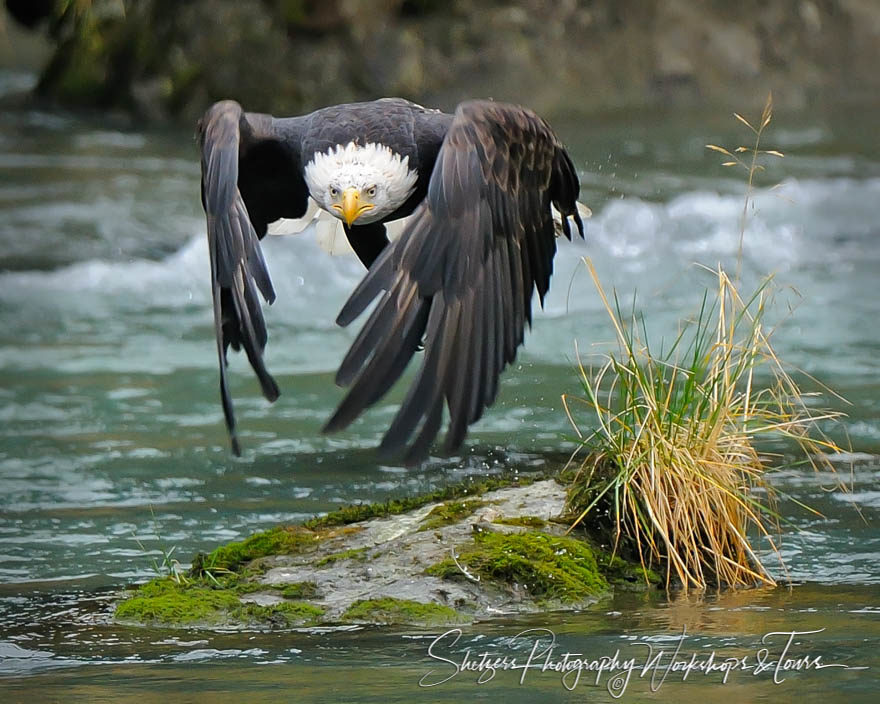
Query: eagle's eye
pixel 371 192
pixel 334 192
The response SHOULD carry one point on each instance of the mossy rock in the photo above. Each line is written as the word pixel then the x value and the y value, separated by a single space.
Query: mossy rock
pixel 165 601
pixel 363 512
pixel 525 563
pixel 388 611
pixel 522 521
pixel 352 554
pixel 283 540
pixel 300 590
pixel 242 587
pixel 449 513
pixel 168 602
pixel 285 614
pixel 550 568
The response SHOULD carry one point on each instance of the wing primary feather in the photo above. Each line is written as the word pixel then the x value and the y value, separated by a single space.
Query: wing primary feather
pixel 428 387
pixel 250 340
pixel 396 329
pixel 485 342
pixel 424 255
pixel 375 330
pixel 256 263
pixel 506 308
pixel 422 443
pixel 408 346
pixel 491 325
pixel 389 358
pixel 257 323
pixel 515 292
pixel 378 279
pixel 458 395
pixel 225 396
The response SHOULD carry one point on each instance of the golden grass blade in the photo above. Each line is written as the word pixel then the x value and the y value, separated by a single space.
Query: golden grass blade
pixel 767 113
pixel 745 122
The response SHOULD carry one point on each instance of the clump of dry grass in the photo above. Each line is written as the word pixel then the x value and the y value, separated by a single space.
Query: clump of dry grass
pixel 673 460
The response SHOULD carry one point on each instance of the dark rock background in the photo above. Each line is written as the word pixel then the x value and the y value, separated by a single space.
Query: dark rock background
pixel 169 59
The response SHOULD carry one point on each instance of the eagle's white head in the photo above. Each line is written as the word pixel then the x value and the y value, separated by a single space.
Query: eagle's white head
pixel 360 183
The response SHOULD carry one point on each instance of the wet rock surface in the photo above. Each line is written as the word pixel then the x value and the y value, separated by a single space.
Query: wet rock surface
pixel 389 557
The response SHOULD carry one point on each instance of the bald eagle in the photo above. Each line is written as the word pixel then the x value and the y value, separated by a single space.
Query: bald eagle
pixel 479 187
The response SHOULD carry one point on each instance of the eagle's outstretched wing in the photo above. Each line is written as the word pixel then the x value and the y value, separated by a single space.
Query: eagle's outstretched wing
pixel 461 277
pixel 251 176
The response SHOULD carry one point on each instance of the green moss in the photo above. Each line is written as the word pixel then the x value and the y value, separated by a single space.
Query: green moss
pixel 524 521
pixel 398 611
pixel 450 512
pixel 243 587
pixel 353 554
pixel 549 567
pixel 300 590
pixel 363 512
pixel 245 581
pixel 165 601
pixel 283 540
pixel 288 613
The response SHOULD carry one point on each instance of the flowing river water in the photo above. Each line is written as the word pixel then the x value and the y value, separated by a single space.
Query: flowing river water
pixel 112 444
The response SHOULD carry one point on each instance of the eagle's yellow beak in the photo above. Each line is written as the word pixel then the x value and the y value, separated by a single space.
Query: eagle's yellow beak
pixel 352 207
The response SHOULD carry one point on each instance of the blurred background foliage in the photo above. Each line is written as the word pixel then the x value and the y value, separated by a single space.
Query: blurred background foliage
pixel 169 59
